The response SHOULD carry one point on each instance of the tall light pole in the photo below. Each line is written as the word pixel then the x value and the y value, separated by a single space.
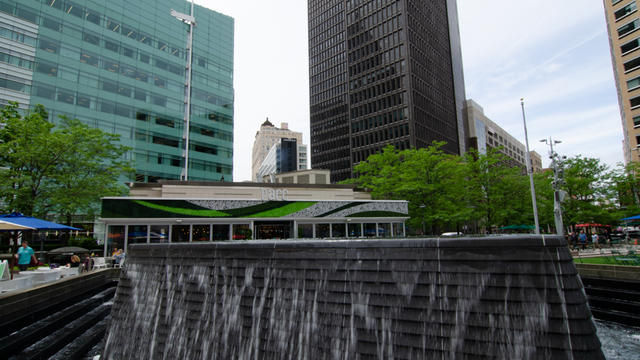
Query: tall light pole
pixel 556 165
pixel 191 21
pixel 530 171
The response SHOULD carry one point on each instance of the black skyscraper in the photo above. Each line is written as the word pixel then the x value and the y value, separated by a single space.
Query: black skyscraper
pixel 383 72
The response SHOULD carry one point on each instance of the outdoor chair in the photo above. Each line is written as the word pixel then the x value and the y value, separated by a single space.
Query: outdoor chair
pixel 99 263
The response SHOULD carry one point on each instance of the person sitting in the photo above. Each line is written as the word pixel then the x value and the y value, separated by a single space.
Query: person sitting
pixel 75 261
pixel 117 255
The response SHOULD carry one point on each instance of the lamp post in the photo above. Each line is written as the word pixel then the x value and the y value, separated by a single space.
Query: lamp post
pixel 530 171
pixel 191 21
pixel 556 165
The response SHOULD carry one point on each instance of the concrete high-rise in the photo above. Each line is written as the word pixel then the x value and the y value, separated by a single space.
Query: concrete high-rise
pixel 623 22
pixel 265 139
pixel 119 66
pixel 484 134
pixel 383 72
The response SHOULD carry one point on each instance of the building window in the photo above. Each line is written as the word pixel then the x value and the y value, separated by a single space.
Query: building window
pixel 636 121
pixel 635 102
pixel 630 46
pixel 626 10
pixel 632 64
pixel 638 140
pixel 627 28
pixel 633 83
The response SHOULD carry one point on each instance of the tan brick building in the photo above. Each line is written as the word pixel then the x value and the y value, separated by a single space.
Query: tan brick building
pixel 623 22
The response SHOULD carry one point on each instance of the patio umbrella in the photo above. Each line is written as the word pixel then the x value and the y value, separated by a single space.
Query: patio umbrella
pixel 10 226
pixel 34 223
pixel 31 223
pixel 68 250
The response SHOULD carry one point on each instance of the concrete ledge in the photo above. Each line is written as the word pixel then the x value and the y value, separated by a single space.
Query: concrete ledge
pixel 24 303
pixel 618 272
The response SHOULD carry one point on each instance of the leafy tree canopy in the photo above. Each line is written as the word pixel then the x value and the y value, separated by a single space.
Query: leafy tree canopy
pixel 63 170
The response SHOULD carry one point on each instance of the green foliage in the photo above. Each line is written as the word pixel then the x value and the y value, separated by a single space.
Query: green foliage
pixel 428 178
pixel 63 169
pixel 586 181
pixel 497 192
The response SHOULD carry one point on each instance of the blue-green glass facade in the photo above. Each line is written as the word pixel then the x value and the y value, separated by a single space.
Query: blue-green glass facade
pixel 120 66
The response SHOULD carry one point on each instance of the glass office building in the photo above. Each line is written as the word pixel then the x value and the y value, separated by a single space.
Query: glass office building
pixel 383 72
pixel 120 66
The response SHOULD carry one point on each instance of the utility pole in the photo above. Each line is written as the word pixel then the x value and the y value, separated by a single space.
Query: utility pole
pixel 558 195
pixel 530 172
pixel 191 21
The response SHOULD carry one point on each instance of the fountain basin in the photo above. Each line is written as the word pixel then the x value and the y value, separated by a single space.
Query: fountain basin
pixel 506 297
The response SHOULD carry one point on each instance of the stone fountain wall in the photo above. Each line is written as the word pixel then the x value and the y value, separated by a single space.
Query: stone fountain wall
pixel 511 298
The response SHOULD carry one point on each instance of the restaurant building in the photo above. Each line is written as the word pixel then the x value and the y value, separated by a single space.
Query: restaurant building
pixel 176 211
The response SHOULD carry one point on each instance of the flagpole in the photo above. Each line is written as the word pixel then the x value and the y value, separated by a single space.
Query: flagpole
pixel 530 171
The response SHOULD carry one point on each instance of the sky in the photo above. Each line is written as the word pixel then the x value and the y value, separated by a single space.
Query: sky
pixel 554 54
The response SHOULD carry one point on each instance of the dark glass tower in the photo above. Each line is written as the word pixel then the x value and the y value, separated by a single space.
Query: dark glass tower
pixel 383 72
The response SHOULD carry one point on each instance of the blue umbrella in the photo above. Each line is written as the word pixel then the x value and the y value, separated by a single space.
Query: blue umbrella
pixel 637 217
pixel 35 223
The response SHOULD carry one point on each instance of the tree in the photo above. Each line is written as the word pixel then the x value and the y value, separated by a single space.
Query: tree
pixel 587 183
pixel 428 178
pixel 497 192
pixel 624 189
pixel 62 170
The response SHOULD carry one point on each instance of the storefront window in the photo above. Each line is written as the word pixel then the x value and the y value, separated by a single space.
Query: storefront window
pixel 322 231
pixel 355 230
pixel 137 234
pixel 115 238
pixel 384 229
pixel 242 232
pixel 200 233
pixel 305 231
pixel 398 229
pixel 180 233
pixel 159 234
pixel 338 230
pixel 370 230
pixel 220 232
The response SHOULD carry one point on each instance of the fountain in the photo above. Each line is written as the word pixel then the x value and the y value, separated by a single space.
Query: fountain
pixel 516 297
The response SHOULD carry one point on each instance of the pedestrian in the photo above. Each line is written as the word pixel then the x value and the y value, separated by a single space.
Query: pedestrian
pixel 583 240
pixel 24 255
pixel 574 239
pixel 594 240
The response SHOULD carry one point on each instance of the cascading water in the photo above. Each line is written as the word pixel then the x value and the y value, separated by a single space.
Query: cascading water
pixel 512 297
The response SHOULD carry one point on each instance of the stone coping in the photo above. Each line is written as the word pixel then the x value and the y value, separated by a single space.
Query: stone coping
pixel 443 242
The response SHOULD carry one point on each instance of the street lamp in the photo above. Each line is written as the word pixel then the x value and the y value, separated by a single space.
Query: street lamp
pixel 530 172
pixel 558 195
pixel 191 21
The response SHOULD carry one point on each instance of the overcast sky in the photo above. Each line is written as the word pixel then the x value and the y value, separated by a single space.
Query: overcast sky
pixel 553 53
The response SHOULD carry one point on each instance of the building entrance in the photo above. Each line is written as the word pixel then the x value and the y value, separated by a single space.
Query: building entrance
pixel 273 229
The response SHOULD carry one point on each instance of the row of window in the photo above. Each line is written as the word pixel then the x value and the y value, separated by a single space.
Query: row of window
pixel 176 123
pixel 54 47
pixel 381 135
pixel 177 161
pixel 379 89
pixel 379 105
pixel 127 71
pixel 167 140
pixel 16 61
pixel 378 120
pixel 97 82
pixel 363 155
pixel 14 35
pixel 357 10
pixel 15 86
